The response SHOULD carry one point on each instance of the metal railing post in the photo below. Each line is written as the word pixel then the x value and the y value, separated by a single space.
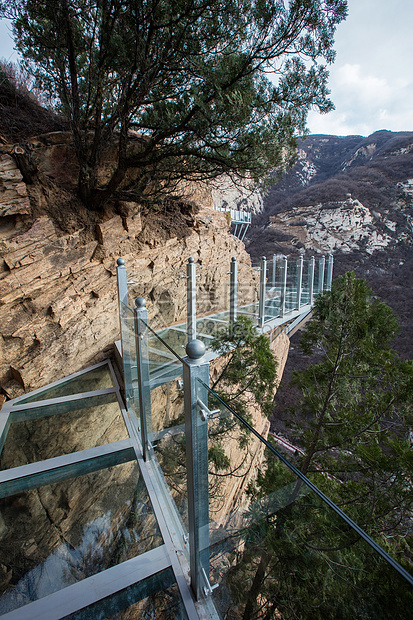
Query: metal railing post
pixel 141 320
pixel 261 303
pixel 329 271
pixel 191 299
pixel 233 290
pixel 284 267
pixel 311 271
pixel 196 437
pixel 299 281
pixel 321 269
pixel 274 266
pixel 122 280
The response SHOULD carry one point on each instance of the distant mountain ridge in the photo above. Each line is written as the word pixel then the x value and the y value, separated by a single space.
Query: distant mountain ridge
pixel 352 196
pixel 350 164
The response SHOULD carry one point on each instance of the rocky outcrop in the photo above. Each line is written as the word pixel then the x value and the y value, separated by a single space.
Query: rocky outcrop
pixel 228 194
pixel 13 194
pixel 339 226
pixel 58 295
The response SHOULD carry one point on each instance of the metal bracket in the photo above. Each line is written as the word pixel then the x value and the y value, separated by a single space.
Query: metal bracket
pixel 208 589
pixel 206 413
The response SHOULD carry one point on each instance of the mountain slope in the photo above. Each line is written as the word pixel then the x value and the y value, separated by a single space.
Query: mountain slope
pixel 351 196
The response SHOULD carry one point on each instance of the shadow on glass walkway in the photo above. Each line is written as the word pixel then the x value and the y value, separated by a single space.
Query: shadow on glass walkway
pixel 113 510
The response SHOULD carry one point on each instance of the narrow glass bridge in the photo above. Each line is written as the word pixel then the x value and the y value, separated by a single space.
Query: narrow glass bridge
pixel 133 497
pixel 279 296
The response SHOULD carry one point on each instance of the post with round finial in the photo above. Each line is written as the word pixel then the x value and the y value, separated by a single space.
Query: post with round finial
pixel 142 356
pixel 261 302
pixel 233 290
pixel 284 275
pixel 196 369
pixel 191 299
pixel 300 263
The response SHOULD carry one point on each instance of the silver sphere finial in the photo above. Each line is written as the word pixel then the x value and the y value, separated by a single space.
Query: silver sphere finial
pixel 195 349
pixel 140 302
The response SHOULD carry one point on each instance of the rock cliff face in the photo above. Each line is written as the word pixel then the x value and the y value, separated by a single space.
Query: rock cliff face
pixel 58 295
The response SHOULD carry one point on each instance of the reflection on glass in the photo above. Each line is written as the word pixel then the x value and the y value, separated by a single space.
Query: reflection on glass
pixel 97 379
pixel 156 597
pixel 168 421
pixel 130 363
pixel 63 428
pixel 277 549
pixel 62 533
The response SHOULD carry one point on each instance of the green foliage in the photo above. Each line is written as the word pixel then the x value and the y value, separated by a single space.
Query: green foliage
pixel 353 421
pixel 217 456
pixel 355 411
pixel 189 75
pixel 249 374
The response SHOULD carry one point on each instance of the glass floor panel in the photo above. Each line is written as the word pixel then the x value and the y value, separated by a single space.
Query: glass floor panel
pixel 96 379
pixel 63 428
pixel 59 534
pixel 156 597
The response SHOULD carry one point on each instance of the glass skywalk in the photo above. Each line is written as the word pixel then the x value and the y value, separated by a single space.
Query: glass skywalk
pixel 161 508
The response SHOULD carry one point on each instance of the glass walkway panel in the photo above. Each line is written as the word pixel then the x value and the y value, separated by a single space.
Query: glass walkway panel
pixel 81 526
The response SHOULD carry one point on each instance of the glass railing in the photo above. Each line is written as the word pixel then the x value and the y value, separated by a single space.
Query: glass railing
pixel 167 419
pixel 306 283
pixel 129 360
pixel 165 286
pixel 278 546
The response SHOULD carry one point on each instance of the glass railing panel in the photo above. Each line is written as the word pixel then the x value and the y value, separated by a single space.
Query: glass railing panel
pixel 273 296
pixel 305 287
pixel 166 287
pixel 212 289
pixel 62 428
pixel 277 548
pixel 97 379
pixel 249 310
pixel 129 359
pixel 61 533
pixel 318 276
pixel 175 337
pixel 167 423
pixel 209 328
pixel 155 597
pixel 291 291
pixel 163 363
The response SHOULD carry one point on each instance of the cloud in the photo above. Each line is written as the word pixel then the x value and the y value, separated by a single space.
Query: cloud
pixel 365 101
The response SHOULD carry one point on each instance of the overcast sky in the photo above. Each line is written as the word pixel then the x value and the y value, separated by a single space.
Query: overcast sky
pixel 371 81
